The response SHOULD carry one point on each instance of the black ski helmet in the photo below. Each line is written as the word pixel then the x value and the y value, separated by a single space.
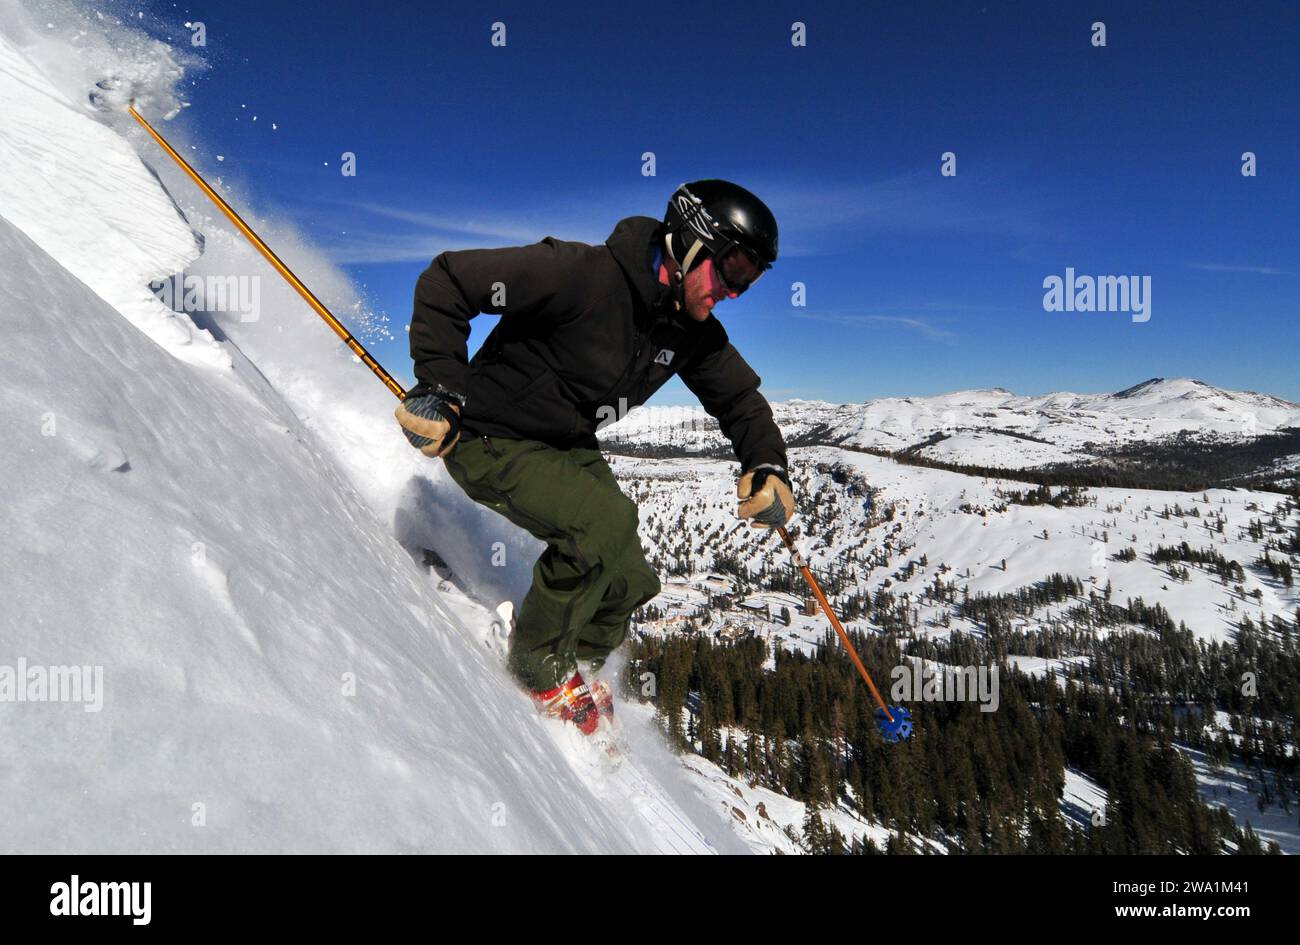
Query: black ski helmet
pixel 707 217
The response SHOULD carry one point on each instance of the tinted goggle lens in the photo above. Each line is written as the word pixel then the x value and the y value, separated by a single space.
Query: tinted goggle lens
pixel 738 269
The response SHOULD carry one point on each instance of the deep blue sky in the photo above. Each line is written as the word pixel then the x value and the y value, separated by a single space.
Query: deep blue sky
pixel 1122 160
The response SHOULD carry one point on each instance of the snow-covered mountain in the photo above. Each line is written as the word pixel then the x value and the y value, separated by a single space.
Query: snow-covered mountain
pixel 994 427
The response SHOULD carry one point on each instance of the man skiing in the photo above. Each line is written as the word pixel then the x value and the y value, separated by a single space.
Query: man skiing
pixel 586 332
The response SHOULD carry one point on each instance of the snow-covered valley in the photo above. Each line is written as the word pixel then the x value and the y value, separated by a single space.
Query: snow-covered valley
pixel 908 548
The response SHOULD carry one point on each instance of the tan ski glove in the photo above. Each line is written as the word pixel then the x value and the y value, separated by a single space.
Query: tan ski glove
pixel 765 497
pixel 430 422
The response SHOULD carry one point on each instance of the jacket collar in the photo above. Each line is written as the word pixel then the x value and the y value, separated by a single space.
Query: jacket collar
pixel 632 244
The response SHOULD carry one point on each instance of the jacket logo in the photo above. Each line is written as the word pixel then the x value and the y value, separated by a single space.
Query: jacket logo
pixel 665 357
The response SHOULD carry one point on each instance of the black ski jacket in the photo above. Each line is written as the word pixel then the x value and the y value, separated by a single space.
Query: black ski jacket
pixel 586 333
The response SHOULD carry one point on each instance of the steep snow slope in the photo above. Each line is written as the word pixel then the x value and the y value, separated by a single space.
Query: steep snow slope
pixel 227 581
pixel 214 535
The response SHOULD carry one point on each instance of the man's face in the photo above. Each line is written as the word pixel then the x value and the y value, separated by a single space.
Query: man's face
pixel 703 290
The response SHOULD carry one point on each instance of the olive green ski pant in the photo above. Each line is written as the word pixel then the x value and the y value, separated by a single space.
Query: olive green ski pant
pixel 592 575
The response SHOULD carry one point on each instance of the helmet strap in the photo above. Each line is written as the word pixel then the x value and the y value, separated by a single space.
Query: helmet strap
pixel 690 256
pixel 678 278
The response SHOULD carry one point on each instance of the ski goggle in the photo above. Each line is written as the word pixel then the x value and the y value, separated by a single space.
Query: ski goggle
pixel 738 268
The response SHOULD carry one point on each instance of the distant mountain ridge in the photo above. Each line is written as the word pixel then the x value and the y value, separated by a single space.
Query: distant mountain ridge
pixel 996 428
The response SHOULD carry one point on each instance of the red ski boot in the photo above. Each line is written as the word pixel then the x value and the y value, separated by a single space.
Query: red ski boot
pixel 571 702
pixel 603 696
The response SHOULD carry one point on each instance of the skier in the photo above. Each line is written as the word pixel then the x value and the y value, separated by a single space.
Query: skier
pixel 586 333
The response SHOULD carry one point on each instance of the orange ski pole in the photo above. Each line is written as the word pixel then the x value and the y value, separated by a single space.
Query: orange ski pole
pixel 308 296
pixel 896 722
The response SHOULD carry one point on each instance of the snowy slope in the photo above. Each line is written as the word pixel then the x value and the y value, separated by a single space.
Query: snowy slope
pixel 225 534
pixel 82 194
pixel 226 579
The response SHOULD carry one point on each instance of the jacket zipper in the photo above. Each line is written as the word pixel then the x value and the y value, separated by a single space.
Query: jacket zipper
pixel 636 357
pixel 642 340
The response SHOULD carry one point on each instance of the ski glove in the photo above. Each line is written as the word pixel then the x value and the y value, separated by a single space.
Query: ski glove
pixel 431 422
pixel 765 497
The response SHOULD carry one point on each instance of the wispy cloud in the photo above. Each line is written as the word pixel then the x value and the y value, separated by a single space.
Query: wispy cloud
pixel 500 228
pixel 372 232
pixel 977 201
pixel 353 247
pixel 815 217
pixel 1258 270
pixel 920 325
